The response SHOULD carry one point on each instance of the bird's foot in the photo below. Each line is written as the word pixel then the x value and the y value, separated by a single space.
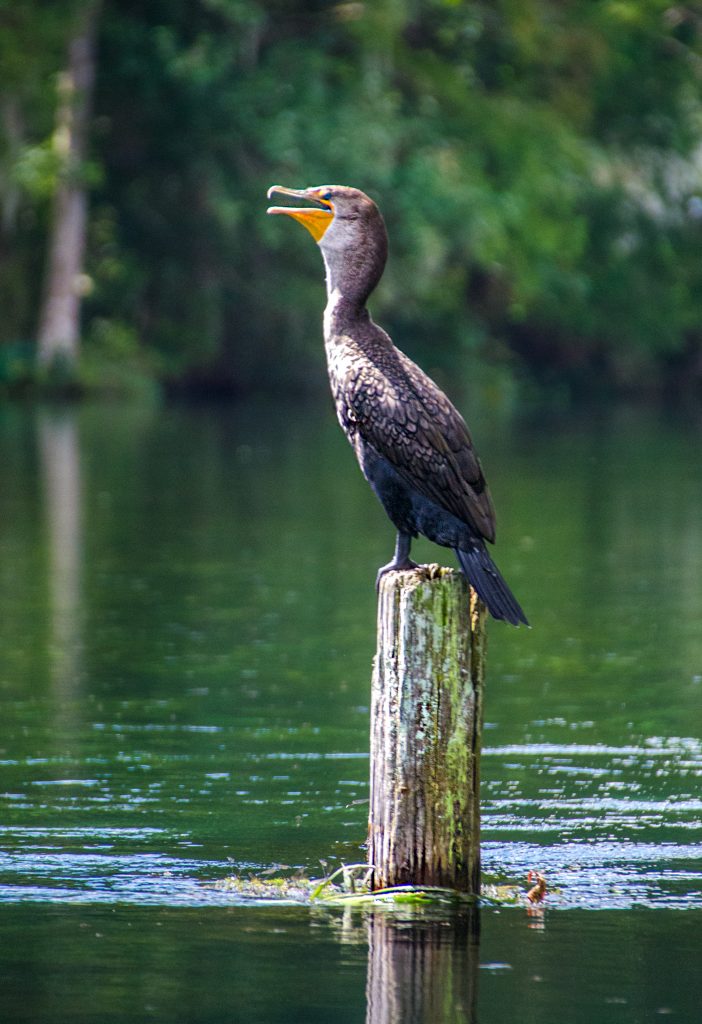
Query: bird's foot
pixel 397 565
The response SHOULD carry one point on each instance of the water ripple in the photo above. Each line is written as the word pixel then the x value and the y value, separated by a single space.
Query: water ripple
pixel 605 875
pixel 608 825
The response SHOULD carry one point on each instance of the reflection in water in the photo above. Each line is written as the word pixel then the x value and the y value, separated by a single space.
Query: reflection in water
pixel 213 612
pixel 61 477
pixel 422 971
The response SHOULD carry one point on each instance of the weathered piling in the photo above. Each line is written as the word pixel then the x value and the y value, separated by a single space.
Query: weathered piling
pixel 426 719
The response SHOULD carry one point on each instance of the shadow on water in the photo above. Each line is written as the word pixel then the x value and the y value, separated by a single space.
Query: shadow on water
pixel 187 609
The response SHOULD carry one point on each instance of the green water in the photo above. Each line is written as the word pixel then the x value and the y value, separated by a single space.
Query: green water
pixel 186 628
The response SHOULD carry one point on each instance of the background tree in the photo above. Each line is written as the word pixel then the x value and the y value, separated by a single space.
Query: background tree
pixel 537 163
pixel 65 282
pixel 32 44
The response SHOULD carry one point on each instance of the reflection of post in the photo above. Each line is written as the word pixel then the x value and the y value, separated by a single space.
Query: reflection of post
pixel 60 462
pixel 422 972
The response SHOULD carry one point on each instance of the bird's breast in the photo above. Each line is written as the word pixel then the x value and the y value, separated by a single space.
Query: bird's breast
pixel 346 372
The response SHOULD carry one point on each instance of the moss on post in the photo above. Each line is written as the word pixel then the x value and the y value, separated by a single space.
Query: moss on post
pixel 426 717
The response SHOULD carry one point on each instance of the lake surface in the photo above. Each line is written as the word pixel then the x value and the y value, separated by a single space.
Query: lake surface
pixel 186 629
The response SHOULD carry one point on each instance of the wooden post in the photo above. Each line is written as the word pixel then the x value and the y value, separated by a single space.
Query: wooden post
pixel 426 721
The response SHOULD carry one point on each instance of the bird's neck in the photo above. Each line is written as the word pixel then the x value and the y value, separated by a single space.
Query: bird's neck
pixel 352 272
pixel 341 312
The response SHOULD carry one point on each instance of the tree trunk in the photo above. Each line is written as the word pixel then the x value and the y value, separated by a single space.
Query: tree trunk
pixel 426 719
pixel 59 320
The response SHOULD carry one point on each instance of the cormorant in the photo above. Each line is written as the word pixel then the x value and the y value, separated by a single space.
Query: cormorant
pixel 412 445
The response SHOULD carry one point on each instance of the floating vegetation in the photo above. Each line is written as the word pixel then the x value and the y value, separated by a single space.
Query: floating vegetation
pixel 515 895
pixel 492 894
pixel 400 895
pixel 349 886
pixel 275 890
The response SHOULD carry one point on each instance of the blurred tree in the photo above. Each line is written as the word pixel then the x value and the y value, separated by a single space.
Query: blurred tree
pixel 537 162
pixel 32 42
pixel 65 282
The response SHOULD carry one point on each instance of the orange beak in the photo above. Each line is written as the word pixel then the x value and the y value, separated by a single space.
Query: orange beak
pixel 315 218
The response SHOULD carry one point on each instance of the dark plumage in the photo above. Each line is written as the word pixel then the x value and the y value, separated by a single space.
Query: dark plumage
pixel 413 446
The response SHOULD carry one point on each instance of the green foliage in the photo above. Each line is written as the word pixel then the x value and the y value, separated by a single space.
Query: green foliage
pixel 535 161
pixel 15 367
pixel 35 170
pixel 114 362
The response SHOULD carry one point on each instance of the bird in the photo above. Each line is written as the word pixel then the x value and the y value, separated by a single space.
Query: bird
pixel 412 444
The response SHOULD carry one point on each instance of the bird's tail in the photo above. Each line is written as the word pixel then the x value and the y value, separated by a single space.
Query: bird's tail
pixel 483 575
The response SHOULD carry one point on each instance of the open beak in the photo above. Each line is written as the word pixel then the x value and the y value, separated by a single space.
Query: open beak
pixel 315 218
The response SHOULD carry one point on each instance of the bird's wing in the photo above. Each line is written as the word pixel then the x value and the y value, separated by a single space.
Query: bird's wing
pixel 412 424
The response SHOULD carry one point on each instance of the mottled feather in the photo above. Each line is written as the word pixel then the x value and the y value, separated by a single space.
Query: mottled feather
pixel 393 405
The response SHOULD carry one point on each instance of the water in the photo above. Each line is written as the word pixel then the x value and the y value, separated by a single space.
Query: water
pixel 187 623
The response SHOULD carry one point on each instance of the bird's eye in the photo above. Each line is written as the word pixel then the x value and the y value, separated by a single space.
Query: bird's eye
pixel 326 196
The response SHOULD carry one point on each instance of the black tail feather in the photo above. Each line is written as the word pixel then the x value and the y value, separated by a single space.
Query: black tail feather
pixel 483 575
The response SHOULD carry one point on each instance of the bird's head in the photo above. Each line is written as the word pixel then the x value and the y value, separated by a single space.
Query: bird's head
pixel 349 229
